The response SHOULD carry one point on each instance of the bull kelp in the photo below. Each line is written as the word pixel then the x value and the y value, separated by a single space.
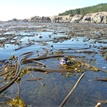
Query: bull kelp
pixel 30 69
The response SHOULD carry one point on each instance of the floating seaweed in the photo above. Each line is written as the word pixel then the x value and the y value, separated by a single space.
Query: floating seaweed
pixel 17 101
pixel 45 60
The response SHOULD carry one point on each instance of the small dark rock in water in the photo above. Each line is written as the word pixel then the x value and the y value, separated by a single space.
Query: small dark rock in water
pixel 49 35
pixel 89 46
pixel 84 40
pixel 52 46
pixel 66 59
pixel 37 51
pixel 44 65
pixel 88 38
pixel 51 50
pixel 40 36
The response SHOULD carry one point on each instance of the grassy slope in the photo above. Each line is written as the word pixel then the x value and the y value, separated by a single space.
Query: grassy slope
pixel 85 10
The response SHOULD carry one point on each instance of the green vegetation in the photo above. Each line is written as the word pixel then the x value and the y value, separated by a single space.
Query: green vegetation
pixel 85 10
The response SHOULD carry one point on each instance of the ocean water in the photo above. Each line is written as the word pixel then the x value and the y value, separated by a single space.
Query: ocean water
pixel 21 37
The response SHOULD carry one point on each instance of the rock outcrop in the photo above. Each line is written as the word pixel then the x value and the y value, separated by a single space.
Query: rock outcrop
pixel 76 18
pixel 61 19
pixel 99 17
pixel 39 19
pixel 104 19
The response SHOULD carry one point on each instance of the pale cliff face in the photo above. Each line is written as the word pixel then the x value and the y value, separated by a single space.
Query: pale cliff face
pixel 99 17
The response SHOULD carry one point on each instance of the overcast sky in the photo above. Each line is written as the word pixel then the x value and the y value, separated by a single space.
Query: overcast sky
pixel 22 9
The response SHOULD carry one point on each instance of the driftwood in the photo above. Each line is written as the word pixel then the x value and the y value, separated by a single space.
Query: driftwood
pixel 33 79
pixel 98 105
pixel 50 70
pixel 99 80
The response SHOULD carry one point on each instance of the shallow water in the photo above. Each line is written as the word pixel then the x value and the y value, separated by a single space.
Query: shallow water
pixel 19 38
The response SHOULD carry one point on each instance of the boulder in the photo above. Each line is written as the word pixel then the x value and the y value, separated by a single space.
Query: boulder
pixel 76 18
pixel 56 19
pixel 25 20
pixel 53 19
pixel 14 19
pixel 46 19
pixel 40 19
pixel 87 18
pixel 104 19
pixel 61 19
pixel 35 19
pixel 97 17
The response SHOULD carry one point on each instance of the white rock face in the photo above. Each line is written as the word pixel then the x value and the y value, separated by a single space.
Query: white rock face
pixel 100 17
pixel 76 18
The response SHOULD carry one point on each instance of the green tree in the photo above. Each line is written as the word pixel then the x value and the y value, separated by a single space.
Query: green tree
pixel 85 10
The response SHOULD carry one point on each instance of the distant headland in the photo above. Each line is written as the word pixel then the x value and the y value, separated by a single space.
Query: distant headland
pixel 92 14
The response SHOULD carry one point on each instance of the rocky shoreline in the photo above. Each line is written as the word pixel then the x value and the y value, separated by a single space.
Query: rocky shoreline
pixel 99 17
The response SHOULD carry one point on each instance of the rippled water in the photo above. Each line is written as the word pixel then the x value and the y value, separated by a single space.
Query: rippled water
pixel 33 37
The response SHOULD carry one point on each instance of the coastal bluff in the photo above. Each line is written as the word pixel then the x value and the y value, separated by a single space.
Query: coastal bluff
pixel 99 17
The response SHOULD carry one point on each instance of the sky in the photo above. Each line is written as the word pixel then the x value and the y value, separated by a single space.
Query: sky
pixel 22 9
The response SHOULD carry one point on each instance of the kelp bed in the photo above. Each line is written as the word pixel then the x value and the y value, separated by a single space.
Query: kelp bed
pixel 30 70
